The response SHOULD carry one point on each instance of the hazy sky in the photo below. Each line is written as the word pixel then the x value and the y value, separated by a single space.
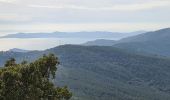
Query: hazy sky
pixel 83 15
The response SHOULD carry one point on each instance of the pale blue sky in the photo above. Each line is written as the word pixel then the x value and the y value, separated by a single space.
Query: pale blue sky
pixel 83 15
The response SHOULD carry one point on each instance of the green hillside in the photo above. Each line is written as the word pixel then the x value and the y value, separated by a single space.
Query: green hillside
pixel 156 42
pixel 106 73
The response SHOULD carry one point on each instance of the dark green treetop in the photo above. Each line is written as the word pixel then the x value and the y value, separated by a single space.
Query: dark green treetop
pixel 31 81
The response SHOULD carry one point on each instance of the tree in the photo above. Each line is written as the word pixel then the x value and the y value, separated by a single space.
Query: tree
pixel 31 81
pixel 10 62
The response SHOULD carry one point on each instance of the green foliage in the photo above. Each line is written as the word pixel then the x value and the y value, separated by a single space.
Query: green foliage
pixel 31 81
pixel 10 62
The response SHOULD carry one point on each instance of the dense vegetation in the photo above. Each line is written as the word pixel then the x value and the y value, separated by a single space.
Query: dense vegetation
pixel 31 81
pixel 106 73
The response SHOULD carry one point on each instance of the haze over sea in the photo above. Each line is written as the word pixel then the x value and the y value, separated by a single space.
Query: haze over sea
pixel 40 43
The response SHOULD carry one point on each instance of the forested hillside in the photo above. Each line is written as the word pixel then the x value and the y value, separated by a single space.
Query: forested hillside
pixel 106 73
pixel 154 42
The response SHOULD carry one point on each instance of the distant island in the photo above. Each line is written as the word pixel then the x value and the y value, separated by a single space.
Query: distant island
pixel 83 34
pixel 18 50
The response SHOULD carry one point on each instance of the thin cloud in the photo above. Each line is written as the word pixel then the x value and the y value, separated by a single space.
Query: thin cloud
pixel 14 17
pixel 8 1
pixel 120 7
pixel 22 15
pixel 118 27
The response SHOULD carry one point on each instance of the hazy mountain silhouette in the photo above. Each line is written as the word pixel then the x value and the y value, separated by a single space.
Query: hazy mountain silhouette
pixel 155 42
pixel 83 34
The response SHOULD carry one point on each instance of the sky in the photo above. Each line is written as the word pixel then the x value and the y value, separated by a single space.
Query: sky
pixel 83 15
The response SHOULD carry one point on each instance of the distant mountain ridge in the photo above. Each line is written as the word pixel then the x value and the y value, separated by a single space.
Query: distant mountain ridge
pixel 155 42
pixel 83 34
pixel 149 36
pixel 18 50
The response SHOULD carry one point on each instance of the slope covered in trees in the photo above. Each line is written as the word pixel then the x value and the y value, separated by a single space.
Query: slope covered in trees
pixel 100 42
pixel 155 42
pixel 106 73
pixel 31 81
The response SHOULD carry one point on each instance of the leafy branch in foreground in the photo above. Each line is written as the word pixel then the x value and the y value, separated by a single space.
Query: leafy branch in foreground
pixel 31 81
